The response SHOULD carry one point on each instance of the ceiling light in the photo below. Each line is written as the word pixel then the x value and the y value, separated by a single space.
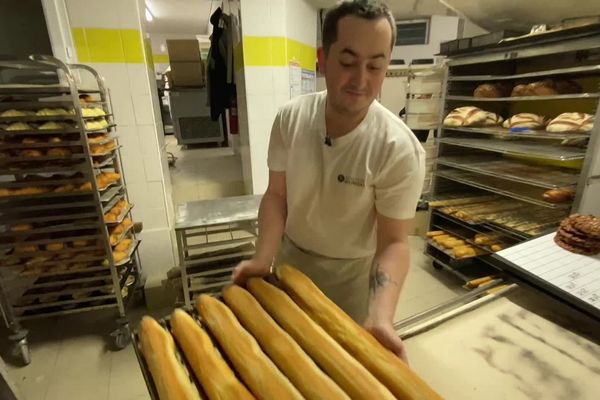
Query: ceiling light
pixel 149 16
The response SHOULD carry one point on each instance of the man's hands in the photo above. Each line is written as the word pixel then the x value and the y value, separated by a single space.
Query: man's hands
pixel 386 335
pixel 248 269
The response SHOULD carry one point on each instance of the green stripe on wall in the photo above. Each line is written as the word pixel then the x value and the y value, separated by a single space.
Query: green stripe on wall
pixel 108 45
pixel 277 52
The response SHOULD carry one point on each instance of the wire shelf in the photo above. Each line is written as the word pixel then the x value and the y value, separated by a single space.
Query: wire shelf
pixel 523 98
pixel 585 70
pixel 499 131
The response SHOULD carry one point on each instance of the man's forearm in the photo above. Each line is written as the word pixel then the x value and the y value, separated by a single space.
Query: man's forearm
pixel 389 272
pixel 271 223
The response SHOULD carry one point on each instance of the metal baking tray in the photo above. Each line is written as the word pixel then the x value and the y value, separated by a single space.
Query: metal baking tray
pixel 573 71
pixel 480 228
pixel 121 216
pixel 53 262
pixel 132 249
pixel 109 302
pixel 124 234
pixel 111 151
pixel 51 229
pixel 543 177
pixel 109 194
pixel 108 206
pixel 41 89
pixel 37 132
pixel 105 129
pixel 499 131
pixel 105 163
pixel 524 98
pixel 515 190
pixel 21 146
pixel 38 118
pixel 519 148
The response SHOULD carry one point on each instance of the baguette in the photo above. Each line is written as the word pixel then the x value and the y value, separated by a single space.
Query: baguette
pixel 382 363
pixel 300 369
pixel 170 377
pixel 213 373
pixel 347 372
pixel 254 367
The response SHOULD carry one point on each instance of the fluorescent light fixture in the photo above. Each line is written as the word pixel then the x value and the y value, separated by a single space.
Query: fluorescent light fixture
pixel 149 16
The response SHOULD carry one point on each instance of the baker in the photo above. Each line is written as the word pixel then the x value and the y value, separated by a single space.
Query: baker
pixel 345 175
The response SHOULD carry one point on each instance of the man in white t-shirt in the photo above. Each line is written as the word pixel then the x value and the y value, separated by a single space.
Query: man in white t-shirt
pixel 345 175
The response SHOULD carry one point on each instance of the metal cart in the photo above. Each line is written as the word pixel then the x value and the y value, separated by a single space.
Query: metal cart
pixel 212 237
pixel 489 181
pixel 57 253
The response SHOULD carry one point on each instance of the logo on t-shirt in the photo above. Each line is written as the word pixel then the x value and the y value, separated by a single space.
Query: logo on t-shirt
pixel 351 181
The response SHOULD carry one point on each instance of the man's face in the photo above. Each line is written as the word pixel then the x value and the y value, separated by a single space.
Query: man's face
pixel 356 64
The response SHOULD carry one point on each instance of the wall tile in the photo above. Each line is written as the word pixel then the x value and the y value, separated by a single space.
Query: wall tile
pixel 153 168
pixel 142 107
pixel 129 16
pixel 259 80
pixel 261 107
pixel 148 140
pixel 153 218
pixel 277 11
pixel 138 78
pixel 253 15
pixel 156 252
pixel 93 14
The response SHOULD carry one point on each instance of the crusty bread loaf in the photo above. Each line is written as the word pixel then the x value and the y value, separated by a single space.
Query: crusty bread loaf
pixel 519 91
pixel 300 369
pixel 465 116
pixel 213 373
pixel 487 90
pixel 559 195
pixel 542 88
pixel 381 362
pixel 525 120
pixel 492 119
pixel 571 122
pixel 254 367
pixel 347 372
pixel 170 377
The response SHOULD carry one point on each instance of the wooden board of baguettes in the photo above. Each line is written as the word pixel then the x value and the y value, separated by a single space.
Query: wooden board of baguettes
pixel 271 342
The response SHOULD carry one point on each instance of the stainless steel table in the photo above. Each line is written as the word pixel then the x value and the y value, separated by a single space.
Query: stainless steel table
pixel 212 236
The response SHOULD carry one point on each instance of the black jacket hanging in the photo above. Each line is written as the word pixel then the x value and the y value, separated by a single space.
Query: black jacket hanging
pixel 218 90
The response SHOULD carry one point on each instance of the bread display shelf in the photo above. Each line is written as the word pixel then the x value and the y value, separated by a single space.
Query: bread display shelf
pixel 55 262
pixel 466 270
pixel 38 132
pixel 123 235
pixel 111 151
pixel 573 71
pixel 103 142
pixel 87 305
pixel 47 195
pixel 75 272
pixel 50 229
pixel 105 129
pixel 105 163
pixel 111 203
pixel 47 283
pixel 513 171
pixel 523 98
pixel 519 148
pixel 19 89
pixel 448 252
pixel 478 228
pixel 533 134
pixel 38 118
pixel 109 194
pixel 66 143
pixel 64 302
pixel 43 183
pixel 518 191
pixel 130 252
pixel 112 184
pixel 121 216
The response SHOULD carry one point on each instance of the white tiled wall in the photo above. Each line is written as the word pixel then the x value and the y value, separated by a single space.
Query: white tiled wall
pixel 301 21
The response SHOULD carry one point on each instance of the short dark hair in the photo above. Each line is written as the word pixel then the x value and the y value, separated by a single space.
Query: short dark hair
pixel 367 9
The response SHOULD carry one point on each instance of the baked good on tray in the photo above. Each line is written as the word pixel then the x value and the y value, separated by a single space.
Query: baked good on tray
pixel 571 122
pixel 492 90
pixel 257 371
pixel 169 375
pixel 547 87
pixel 579 234
pixel 213 373
pixel 559 195
pixel 304 374
pixel 382 363
pixel 525 120
pixel 471 116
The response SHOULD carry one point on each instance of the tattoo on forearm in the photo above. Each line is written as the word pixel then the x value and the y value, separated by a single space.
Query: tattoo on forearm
pixel 381 279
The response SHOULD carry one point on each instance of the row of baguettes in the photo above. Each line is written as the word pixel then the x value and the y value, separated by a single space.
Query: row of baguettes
pixel 281 344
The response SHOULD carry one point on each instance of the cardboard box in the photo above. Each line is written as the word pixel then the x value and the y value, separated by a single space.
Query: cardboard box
pixel 187 74
pixel 184 50
pixel 420 224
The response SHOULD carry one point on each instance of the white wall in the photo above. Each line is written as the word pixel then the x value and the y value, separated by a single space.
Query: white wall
pixel 441 29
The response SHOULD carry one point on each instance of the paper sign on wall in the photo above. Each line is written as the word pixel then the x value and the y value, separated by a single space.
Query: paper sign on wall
pixel 295 79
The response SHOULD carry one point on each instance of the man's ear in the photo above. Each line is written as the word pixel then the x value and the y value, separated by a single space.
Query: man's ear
pixel 321 59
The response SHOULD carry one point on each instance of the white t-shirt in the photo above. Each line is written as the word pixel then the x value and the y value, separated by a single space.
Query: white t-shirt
pixel 334 192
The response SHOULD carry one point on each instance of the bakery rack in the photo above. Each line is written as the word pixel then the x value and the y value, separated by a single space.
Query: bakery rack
pixel 212 237
pixel 55 252
pixel 501 174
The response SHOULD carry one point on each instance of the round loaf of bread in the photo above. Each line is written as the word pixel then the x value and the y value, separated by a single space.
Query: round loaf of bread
pixel 525 120
pixel 571 122
pixel 487 90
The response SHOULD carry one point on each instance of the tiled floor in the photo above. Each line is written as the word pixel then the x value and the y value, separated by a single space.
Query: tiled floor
pixel 202 173
pixel 72 359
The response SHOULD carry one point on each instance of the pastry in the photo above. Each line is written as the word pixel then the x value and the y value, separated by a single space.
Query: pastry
pixel 542 88
pixel 97 149
pixel 19 126
pixel 257 371
pixel 589 225
pixel 586 251
pixel 488 90
pixel 169 375
pixel 492 119
pixel 13 113
pixel 30 153
pixel 382 363
pixel 123 245
pixel 55 139
pixel 213 373
pixel 525 120
pixel 352 377
pixel 559 195
pixel 85 187
pixel 496 247
pixel 464 252
pixel 98 138
pixel 431 234
pixel 30 140
pixel 119 256
pixel 4 192
pixel 452 243
pixel 571 122
pixel 110 218
pixel 300 369
pixel 51 126
pixel 65 188
pixel 21 227
pixel 26 248
pixel 59 152
pixel 49 112
pixel 55 246
pixel 466 116
pixel 31 190
pixel 519 91
pixel 80 243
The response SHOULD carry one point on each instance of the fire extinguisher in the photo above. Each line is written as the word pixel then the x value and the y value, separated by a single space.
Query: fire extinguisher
pixel 233 117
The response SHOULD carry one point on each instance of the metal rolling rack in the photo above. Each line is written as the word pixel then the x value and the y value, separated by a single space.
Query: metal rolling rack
pixel 55 252
pixel 212 237
pixel 517 167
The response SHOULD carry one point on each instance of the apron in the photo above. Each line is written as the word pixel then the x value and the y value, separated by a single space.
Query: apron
pixel 345 281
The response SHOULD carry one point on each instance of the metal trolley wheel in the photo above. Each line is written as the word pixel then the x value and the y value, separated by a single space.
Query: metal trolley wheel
pixel 20 348
pixel 122 336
